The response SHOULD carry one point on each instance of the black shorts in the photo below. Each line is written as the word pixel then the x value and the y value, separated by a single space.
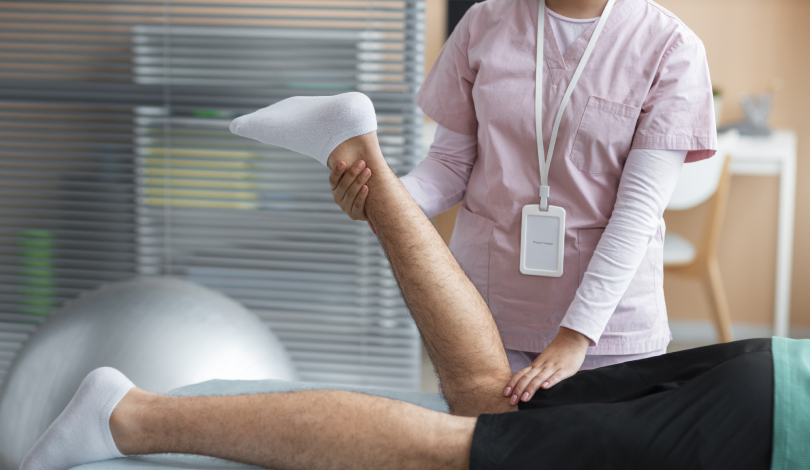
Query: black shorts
pixel 705 408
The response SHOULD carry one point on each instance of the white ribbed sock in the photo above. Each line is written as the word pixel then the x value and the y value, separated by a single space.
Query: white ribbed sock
pixel 312 125
pixel 81 434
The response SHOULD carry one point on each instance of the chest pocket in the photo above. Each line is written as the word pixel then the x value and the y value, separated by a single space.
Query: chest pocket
pixel 604 136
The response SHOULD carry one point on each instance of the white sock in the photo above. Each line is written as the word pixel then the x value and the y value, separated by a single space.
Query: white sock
pixel 81 434
pixel 312 125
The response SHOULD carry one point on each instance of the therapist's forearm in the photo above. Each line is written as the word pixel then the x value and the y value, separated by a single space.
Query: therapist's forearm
pixel 646 186
pixel 440 181
pixel 434 188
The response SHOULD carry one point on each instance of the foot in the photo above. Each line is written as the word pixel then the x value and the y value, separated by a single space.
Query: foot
pixel 81 434
pixel 312 125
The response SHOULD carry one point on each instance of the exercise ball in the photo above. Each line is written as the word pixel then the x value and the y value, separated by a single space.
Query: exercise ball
pixel 163 333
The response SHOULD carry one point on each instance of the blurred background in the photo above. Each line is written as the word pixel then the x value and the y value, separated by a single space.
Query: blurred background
pixel 116 161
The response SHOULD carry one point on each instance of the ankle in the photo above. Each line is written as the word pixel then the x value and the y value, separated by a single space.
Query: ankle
pixel 363 147
pixel 126 422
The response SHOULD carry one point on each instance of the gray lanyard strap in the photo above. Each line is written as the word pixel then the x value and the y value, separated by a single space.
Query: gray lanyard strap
pixel 545 162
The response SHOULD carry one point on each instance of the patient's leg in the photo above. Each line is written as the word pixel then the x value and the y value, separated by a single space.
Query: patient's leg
pixel 301 430
pixel 458 330
pixel 457 327
pixel 109 418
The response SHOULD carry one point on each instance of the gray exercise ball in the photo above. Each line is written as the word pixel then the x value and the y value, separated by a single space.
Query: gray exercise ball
pixel 163 333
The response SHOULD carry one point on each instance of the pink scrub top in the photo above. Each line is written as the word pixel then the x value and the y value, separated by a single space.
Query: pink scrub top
pixel 646 86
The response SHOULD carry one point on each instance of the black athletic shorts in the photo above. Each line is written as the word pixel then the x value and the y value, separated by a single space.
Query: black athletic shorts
pixel 707 408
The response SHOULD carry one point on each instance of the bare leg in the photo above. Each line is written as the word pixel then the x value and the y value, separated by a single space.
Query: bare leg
pixel 304 430
pixel 455 322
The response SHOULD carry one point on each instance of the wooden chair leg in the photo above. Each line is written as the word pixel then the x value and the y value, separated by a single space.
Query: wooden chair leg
pixel 722 316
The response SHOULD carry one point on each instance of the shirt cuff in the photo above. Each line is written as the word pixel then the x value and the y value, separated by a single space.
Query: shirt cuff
pixel 582 324
pixel 411 185
pixel 461 122
pixel 431 204
pixel 697 147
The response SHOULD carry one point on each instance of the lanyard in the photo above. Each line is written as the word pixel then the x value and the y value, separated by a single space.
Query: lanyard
pixel 545 161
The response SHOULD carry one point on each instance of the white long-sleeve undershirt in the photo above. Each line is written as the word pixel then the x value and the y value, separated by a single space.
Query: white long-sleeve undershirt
pixel 567 30
pixel 647 183
pixel 440 180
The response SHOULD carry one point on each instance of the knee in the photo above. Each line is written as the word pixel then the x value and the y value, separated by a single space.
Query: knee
pixel 448 445
pixel 481 395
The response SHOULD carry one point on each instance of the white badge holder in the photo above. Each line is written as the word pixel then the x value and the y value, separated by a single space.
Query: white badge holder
pixel 542 230
pixel 542 241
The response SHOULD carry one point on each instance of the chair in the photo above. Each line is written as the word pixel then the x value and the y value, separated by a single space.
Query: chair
pixel 699 182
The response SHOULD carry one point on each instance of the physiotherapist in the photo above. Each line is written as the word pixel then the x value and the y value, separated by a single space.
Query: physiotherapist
pixel 564 157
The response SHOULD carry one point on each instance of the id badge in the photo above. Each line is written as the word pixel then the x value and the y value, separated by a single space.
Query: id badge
pixel 542 236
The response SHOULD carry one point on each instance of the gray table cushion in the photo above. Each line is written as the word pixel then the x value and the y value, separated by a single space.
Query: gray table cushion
pixel 431 401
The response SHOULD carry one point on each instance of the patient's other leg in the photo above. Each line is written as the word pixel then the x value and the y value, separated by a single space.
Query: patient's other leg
pixel 109 418
pixel 309 430
pixel 457 327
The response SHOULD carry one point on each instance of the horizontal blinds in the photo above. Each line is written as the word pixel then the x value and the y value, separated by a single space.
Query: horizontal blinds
pixel 116 161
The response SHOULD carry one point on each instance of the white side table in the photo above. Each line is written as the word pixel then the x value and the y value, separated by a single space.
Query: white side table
pixel 775 155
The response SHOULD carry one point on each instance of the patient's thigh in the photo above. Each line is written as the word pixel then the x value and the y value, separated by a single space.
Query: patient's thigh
pixel 635 379
pixel 720 418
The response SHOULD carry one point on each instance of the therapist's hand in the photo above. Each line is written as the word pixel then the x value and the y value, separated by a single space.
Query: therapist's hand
pixel 349 188
pixel 561 359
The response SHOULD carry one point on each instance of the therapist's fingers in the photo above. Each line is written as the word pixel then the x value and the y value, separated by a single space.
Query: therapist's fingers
pixel 549 378
pixel 336 174
pixel 510 386
pixel 346 185
pixel 342 175
pixel 519 393
pixel 351 174
pixel 354 188
pixel 359 206
pixel 540 381
pixel 558 377
pixel 352 192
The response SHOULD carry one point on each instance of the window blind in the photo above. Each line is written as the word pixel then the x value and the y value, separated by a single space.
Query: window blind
pixel 116 161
